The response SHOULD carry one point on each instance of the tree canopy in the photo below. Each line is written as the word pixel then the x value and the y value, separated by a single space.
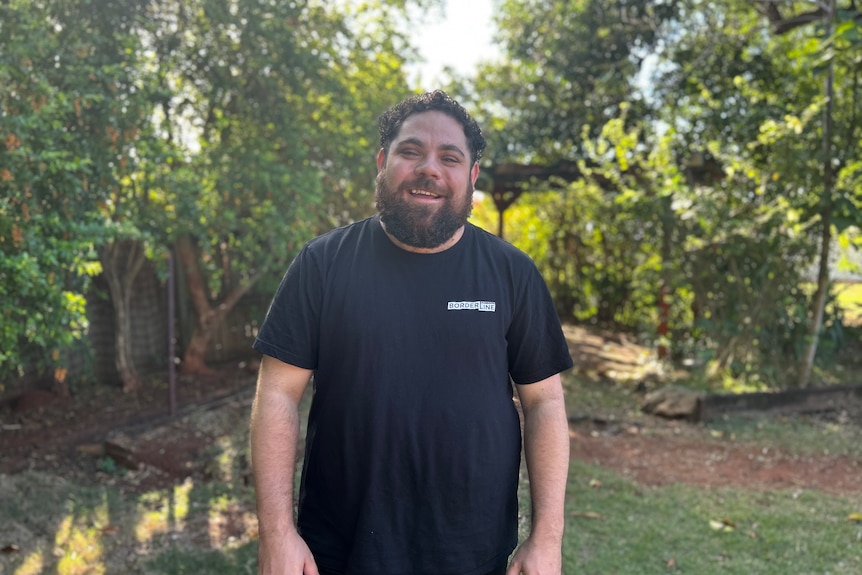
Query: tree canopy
pixel 716 147
pixel 227 132
pixel 701 131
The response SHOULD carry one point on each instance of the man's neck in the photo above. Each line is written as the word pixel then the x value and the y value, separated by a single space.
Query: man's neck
pixel 441 248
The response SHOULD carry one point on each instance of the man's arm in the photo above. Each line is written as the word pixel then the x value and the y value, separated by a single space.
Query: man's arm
pixel 546 447
pixel 274 435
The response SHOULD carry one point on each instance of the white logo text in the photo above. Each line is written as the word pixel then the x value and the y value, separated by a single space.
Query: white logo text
pixel 477 305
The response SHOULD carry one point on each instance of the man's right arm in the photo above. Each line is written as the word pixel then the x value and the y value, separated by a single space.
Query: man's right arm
pixel 274 436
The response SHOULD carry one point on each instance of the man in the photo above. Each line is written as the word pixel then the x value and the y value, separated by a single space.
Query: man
pixel 412 322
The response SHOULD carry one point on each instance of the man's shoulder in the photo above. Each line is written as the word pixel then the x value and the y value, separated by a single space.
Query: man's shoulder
pixel 337 236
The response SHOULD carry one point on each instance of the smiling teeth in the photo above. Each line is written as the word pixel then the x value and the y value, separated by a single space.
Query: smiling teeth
pixel 423 193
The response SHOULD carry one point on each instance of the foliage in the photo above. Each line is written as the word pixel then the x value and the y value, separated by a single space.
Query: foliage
pixel 747 95
pixel 567 64
pixel 849 298
pixel 279 103
pixel 244 129
pixel 701 183
pixel 67 108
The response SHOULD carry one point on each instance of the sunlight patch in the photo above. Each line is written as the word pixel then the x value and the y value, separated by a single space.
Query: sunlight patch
pixel 161 514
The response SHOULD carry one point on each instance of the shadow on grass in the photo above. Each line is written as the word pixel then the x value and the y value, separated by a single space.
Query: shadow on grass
pixel 175 561
pixel 203 524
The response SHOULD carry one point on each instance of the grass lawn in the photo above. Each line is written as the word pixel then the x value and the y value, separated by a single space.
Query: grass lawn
pixel 615 526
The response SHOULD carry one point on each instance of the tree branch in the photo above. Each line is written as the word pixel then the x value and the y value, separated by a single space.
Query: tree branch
pixel 782 25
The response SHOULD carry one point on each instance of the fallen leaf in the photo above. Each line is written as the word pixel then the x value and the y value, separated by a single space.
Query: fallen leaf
pixel 595 483
pixel 587 514
pixel 10 548
pixel 855 517
pixel 671 563
pixel 722 524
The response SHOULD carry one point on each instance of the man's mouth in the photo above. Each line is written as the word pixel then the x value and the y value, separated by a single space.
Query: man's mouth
pixel 420 192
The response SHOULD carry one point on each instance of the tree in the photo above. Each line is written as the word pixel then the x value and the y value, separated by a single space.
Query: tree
pixel 271 109
pixel 730 206
pixel 839 32
pixel 66 107
pixel 567 64
pixel 214 129
pixel 571 68
pixel 748 93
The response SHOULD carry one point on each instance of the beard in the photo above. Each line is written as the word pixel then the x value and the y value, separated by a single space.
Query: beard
pixel 417 225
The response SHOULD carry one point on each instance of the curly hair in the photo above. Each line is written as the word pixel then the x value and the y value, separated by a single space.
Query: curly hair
pixel 391 120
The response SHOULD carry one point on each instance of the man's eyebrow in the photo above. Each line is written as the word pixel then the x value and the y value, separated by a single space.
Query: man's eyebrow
pixel 414 141
pixel 453 148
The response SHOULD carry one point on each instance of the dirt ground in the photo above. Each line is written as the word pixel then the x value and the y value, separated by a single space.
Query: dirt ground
pixel 655 451
pixel 67 436
pixel 680 458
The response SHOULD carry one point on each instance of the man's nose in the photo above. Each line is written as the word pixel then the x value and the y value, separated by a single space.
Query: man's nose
pixel 429 166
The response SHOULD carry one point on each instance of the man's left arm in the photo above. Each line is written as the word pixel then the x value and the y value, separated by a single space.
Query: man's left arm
pixel 546 448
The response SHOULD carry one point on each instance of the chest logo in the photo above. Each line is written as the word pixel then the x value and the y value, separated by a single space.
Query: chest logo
pixel 476 305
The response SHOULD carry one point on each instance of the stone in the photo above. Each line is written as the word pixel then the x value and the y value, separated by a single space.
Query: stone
pixel 672 402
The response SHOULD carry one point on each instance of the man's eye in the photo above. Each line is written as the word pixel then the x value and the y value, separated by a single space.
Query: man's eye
pixel 409 153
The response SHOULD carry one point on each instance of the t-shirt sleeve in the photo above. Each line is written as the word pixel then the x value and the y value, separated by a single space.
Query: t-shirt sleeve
pixel 290 330
pixel 537 348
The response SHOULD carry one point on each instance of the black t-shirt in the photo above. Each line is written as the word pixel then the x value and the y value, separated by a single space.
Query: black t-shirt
pixel 413 443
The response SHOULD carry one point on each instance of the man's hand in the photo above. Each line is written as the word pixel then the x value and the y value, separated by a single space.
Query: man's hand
pixel 288 555
pixel 535 558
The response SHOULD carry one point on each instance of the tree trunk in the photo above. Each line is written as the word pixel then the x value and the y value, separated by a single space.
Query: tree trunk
pixel 819 301
pixel 120 279
pixel 208 316
pixel 194 358
pixel 665 289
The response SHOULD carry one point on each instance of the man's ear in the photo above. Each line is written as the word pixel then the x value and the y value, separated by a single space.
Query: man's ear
pixel 474 174
pixel 381 159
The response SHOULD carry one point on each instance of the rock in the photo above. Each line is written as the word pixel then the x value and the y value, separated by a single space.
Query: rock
pixel 121 449
pixel 673 402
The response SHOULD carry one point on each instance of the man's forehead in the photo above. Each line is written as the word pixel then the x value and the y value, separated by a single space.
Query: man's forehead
pixel 432 126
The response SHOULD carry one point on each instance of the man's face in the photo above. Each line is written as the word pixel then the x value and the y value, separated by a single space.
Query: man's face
pixel 425 181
